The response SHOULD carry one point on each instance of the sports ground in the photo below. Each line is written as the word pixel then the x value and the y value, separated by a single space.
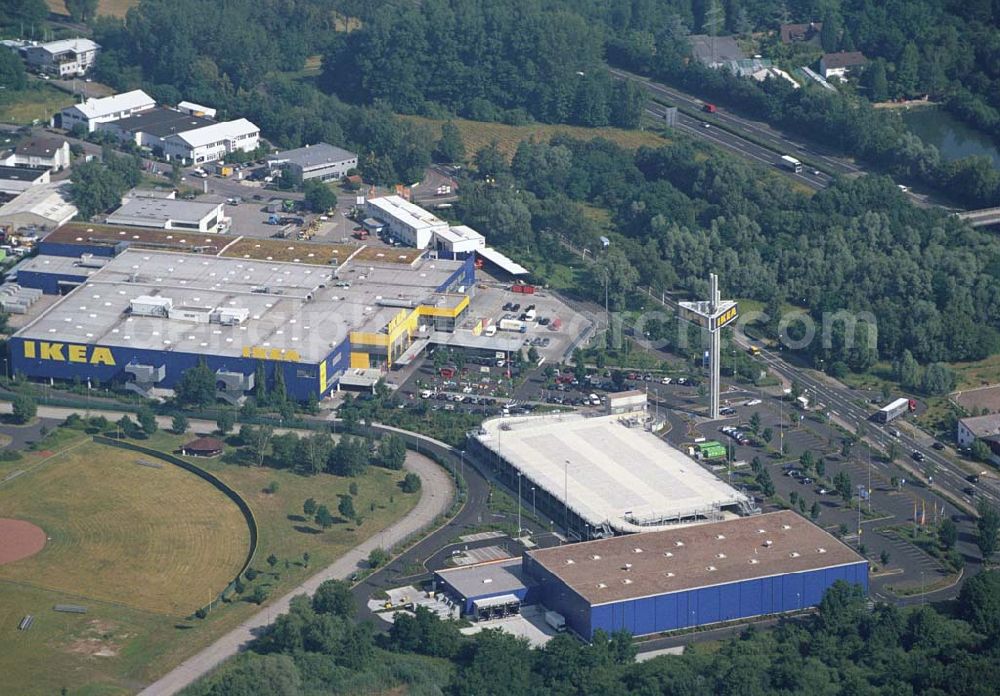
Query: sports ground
pixel 152 538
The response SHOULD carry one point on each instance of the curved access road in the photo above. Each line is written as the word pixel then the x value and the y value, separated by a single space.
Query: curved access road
pixel 437 493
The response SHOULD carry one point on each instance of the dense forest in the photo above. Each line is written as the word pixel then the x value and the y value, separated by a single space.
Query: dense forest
pixel 843 649
pixel 932 283
pixel 488 60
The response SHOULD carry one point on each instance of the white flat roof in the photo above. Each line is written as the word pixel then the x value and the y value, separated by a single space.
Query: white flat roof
pixel 507 264
pixel 95 108
pixel 458 233
pixel 398 208
pixel 162 210
pixel 77 45
pixel 622 475
pixel 216 132
pixel 50 201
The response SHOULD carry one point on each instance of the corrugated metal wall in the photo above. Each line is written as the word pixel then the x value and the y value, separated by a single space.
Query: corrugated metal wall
pixel 708 605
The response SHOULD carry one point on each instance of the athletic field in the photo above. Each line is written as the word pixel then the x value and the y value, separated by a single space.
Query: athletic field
pixel 153 538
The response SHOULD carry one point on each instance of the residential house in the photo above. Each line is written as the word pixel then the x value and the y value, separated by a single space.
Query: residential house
pixel 840 64
pixel 40 151
pixel 64 58
pixel 985 428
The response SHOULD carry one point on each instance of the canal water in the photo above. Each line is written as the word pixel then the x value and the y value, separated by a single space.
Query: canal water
pixel 950 136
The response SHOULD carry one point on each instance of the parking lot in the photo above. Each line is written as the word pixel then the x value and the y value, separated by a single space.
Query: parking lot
pixel 551 331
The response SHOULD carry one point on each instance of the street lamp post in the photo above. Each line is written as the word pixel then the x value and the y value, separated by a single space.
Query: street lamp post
pixel 533 513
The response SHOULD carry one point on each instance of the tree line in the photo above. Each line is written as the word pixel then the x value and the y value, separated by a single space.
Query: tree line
pixel 843 648
pixel 931 282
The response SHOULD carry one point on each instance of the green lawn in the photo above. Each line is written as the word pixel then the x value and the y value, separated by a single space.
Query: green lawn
pixel 37 102
pixel 114 649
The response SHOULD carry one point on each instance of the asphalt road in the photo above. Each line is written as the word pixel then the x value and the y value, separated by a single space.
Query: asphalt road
pixel 741 147
pixel 740 136
pixel 436 496
pixel 841 403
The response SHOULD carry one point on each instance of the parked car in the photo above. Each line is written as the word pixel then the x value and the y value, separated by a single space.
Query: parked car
pixel 938 446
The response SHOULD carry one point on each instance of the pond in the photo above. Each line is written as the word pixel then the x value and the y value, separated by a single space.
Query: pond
pixel 950 136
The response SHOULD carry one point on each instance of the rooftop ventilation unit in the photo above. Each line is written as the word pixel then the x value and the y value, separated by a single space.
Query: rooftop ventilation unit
pixel 768 543
pixel 149 306
pixel 794 554
pixel 753 561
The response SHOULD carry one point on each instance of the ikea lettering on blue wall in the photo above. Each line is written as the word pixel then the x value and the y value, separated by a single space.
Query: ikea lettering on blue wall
pixel 68 352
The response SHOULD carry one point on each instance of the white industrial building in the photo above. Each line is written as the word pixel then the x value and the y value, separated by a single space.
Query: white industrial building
pixel 151 127
pixel 169 214
pixel 458 240
pixel 196 109
pixel 64 58
pixel 606 474
pixel 40 151
pixel 406 222
pixel 46 206
pixel 212 142
pixel 16 180
pixel 106 109
pixel 320 161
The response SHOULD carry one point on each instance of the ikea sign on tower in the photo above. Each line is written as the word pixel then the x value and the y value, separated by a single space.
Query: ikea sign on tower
pixel 68 352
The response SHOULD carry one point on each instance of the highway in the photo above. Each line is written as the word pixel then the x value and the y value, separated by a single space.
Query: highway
pixel 753 140
pixel 741 147
pixel 841 403
pixel 775 140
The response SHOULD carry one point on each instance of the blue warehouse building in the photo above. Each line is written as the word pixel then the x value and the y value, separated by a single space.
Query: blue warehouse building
pixel 140 308
pixel 692 576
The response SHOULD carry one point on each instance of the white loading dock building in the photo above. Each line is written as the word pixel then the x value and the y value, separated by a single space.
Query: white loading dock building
pixel 409 223
pixel 213 142
pixel 604 475
pixel 320 161
pixel 106 109
pixel 65 58
pixel 458 241
pixel 169 214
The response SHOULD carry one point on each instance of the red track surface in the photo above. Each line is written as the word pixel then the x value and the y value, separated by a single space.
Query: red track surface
pixel 19 539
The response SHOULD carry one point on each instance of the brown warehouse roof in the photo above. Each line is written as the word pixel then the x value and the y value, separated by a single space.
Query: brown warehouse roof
pixel 653 563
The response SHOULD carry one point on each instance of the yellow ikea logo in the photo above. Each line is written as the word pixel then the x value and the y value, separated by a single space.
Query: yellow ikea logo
pixel 68 352
pixel 261 353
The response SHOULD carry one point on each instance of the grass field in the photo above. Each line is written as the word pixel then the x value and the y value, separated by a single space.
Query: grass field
pixel 116 649
pixel 155 539
pixel 477 134
pixel 37 102
pixel 113 8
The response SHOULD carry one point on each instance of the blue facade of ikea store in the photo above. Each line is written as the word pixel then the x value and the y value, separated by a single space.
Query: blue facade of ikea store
pixel 693 607
pixel 106 365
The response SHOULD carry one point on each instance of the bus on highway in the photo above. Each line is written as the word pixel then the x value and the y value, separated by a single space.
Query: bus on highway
pixel 791 164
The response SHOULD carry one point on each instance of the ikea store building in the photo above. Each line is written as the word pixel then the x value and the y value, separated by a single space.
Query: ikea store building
pixel 140 307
